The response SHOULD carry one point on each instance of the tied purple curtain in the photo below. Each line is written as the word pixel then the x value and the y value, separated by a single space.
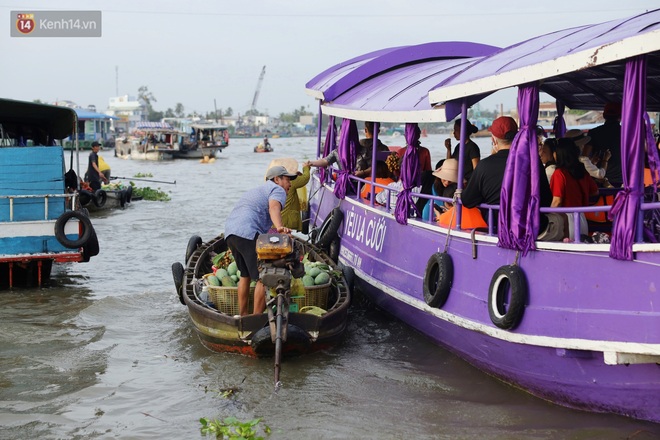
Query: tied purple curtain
pixel 520 196
pixel 559 125
pixel 329 145
pixel 411 175
pixel 625 208
pixel 349 142
pixel 652 152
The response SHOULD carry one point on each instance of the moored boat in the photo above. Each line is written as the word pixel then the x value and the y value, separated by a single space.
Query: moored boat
pixel 573 322
pixel 38 226
pixel 208 139
pixel 316 321
pixel 112 196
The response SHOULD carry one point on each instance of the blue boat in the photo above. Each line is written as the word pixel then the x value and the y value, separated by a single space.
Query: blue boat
pixel 38 226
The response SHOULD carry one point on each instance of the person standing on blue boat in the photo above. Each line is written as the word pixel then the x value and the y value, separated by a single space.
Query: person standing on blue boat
pixel 254 214
pixel 94 173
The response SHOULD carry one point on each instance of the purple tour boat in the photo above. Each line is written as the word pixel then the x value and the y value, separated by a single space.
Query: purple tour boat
pixel 576 323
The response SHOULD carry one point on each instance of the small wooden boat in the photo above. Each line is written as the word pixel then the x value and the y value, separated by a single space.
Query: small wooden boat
pixel 106 199
pixel 221 329
pixel 261 148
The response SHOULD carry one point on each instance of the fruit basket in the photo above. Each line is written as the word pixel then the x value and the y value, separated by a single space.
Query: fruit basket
pixel 225 298
pixel 314 296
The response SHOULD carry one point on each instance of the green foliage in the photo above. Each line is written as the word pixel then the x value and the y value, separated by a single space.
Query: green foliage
pixel 233 429
pixel 148 193
pixel 143 175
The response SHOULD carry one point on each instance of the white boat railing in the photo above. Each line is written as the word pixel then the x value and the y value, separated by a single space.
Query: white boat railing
pixel 38 196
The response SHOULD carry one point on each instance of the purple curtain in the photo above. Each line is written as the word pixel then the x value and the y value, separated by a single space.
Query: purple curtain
pixel 520 196
pixel 329 145
pixel 625 208
pixel 349 142
pixel 652 152
pixel 411 175
pixel 559 125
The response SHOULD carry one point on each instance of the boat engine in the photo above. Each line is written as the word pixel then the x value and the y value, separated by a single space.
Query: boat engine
pixel 278 261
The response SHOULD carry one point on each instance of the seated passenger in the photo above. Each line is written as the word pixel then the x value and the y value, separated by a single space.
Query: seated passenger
pixel 485 185
pixel 571 185
pixel 394 166
pixel 547 155
pixel 471 217
pixel 363 162
pixel 472 154
pixel 595 164
pixel 382 177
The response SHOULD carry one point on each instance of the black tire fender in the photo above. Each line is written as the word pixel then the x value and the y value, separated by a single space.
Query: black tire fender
pixel 193 244
pixel 438 279
pixel 85 197
pixel 507 296
pixel 122 198
pixel 100 197
pixel 83 237
pixel 329 228
pixel 91 248
pixel 177 274
pixel 334 248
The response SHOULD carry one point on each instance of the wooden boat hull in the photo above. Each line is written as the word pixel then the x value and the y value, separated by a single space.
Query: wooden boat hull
pixel 244 335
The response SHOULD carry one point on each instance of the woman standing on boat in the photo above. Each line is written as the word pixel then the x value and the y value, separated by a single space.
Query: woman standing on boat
pixel 472 154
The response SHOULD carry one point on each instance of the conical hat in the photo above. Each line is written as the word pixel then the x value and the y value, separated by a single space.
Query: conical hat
pixel 289 163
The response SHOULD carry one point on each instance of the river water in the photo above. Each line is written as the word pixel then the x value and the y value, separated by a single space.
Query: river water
pixel 108 352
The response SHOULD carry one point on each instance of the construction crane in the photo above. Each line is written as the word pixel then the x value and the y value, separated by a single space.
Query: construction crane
pixel 253 107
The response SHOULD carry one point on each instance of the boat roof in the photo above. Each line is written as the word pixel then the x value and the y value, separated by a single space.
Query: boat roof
pixel 154 126
pixel 88 114
pixel 581 66
pixel 391 85
pixel 59 122
pixel 209 126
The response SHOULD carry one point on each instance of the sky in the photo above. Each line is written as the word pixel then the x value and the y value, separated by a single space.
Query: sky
pixel 197 52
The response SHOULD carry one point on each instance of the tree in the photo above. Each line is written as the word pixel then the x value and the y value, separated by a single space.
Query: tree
pixel 169 113
pixel 179 110
pixel 229 112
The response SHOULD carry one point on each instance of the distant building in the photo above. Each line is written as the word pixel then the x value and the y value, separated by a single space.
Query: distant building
pixel 129 110
pixel 547 113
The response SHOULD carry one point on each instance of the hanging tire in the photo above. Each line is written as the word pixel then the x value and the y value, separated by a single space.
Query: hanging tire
pixel 91 248
pixel 438 279
pixel 122 198
pixel 333 249
pixel 507 296
pixel 85 197
pixel 82 238
pixel 100 197
pixel 177 274
pixel 329 228
pixel 129 193
pixel 193 244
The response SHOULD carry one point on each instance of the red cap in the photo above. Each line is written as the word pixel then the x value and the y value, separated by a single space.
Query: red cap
pixel 503 125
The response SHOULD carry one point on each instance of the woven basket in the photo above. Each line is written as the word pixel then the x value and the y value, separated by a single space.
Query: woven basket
pixel 314 296
pixel 226 298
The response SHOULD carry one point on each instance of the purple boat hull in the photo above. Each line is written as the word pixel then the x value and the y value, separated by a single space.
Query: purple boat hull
pixel 588 338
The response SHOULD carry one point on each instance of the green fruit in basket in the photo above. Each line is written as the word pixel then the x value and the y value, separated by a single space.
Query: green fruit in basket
pixel 238 273
pixel 221 273
pixel 228 282
pixel 322 278
pixel 234 277
pixel 213 280
pixel 253 283
pixel 308 281
pixel 232 268
pixel 314 272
